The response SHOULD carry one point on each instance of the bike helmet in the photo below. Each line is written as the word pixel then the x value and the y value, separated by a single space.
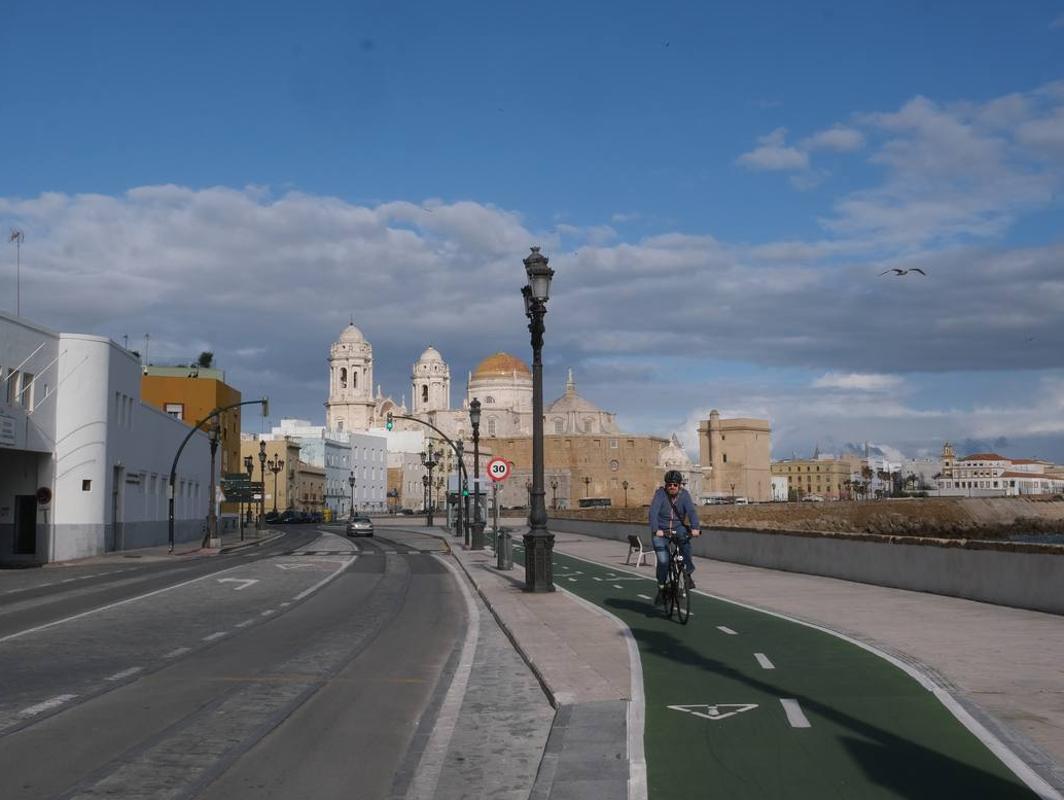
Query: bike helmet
pixel 674 476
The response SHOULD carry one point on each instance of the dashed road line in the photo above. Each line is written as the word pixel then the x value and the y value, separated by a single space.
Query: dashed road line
pixel 213 636
pixel 726 630
pixel 178 652
pixel 644 596
pixel 47 705
pixel 123 674
pixel 267 612
pixel 245 623
pixel 794 713
pixel 762 659
pixel 615 586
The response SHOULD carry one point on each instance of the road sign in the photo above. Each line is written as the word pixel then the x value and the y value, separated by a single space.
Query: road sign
pixel 498 469
pixel 44 495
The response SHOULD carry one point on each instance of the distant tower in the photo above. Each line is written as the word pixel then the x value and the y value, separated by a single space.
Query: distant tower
pixel 948 460
pixel 430 383
pixel 350 403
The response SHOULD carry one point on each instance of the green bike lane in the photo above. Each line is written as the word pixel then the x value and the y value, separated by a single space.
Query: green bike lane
pixel 741 703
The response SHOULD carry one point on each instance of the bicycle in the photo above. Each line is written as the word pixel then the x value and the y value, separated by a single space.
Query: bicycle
pixel 676 595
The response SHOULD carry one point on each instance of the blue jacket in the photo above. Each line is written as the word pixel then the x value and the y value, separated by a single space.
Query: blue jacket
pixel 663 518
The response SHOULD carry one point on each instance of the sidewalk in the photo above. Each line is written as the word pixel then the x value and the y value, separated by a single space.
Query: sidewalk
pixel 1004 665
pixel 230 541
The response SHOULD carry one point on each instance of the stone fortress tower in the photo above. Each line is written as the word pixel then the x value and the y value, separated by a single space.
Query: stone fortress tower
pixel 350 404
pixel 430 383
pixel 738 455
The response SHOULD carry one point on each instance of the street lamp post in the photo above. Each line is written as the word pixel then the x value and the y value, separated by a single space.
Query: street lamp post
pixel 624 485
pixel 262 494
pixel 528 498
pixel 587 485
pixel 425 496
pixel 539 542
pixel 249 467
pixel 351 483
pixel 275 464
pixel 460 511
pixel 478 522
pixel 554 494
pixel 429 460
pixel 212 515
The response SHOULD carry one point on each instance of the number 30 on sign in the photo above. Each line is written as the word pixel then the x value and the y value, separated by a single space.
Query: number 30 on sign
pixel 498 469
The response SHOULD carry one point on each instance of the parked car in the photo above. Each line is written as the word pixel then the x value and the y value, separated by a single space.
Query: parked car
pixel 272 517
pixel 812 498
pixel 741 501
pixel 360 526
pixel 289 516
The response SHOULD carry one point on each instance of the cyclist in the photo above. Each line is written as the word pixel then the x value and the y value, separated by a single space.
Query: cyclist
pixel 668 510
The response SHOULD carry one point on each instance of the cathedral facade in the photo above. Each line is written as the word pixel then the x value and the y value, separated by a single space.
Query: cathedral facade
pixel 503 385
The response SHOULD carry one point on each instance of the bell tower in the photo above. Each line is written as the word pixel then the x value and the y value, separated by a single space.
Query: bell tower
pixel 430 383
pixel 350 403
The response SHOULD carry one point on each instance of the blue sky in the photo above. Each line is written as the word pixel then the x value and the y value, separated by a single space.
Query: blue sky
pixel 736 175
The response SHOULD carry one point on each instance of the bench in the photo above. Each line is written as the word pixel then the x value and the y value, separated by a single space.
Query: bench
pixel 636 546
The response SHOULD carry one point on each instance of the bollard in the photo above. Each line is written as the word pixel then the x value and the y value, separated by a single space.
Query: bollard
pixel 504 551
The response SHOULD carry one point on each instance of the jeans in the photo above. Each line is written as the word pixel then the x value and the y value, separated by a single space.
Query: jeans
pixel 661 551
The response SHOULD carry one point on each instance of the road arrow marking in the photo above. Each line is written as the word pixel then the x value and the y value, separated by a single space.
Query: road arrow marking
pixel 715 712
pixel 246 582
pixel 298 565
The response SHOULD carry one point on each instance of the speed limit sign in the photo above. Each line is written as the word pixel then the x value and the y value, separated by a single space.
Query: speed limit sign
pixel 498 469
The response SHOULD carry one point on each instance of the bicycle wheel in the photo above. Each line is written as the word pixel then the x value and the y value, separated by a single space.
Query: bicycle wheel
pixel 683 597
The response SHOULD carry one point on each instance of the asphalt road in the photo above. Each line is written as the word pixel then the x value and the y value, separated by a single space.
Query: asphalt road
pixel 298 670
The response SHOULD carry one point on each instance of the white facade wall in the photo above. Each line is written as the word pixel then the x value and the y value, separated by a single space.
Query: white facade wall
pixel 369 463
pixel 104 455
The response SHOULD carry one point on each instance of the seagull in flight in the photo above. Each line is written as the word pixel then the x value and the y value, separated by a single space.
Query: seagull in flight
pixel 900 271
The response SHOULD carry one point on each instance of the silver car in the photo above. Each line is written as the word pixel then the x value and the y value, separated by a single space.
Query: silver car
pixel 360 526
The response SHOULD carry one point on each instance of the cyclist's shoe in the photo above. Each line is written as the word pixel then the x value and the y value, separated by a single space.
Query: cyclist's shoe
pixel 659 598
pixel 688 581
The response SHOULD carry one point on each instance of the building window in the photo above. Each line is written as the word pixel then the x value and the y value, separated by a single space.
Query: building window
pixel 175 410
pixel 425 393
pixel 354 379
pixel 725 457
pixel 343 377
pixel 339 424
pixel 491 427
pixel 86 485
pixel 559 426
pixel 613 444
pixel 490 399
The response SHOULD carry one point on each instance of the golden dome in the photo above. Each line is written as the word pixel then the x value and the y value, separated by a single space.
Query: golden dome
pixel 501 365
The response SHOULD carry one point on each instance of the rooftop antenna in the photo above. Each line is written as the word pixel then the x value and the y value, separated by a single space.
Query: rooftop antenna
pixel 17 236
pixel 147 339
pixel 125 340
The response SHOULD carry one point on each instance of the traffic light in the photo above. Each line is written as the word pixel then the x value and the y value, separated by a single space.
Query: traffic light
pixel 465 492
pixel 390 423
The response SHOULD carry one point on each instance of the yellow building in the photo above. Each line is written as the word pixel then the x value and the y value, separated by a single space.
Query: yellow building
pixel 584 467
pixel 737 453
pixel 190 394
pixel 825 478
pixel 280 487
pixel 308 490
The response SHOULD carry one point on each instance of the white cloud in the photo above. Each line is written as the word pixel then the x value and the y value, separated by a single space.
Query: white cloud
pixel 773 154
pixel 839 138
pixel 863 382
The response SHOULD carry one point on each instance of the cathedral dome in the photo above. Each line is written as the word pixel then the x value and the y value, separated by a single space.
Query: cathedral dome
pixel 430 354
pixel 351 334
pixel 501 365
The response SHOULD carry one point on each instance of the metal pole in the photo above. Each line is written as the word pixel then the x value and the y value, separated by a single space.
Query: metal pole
pixel 539 542
pixel 478 522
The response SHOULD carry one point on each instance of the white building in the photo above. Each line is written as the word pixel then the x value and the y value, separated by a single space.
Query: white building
pixel 990 474
pixel 342 455
pixel 84 465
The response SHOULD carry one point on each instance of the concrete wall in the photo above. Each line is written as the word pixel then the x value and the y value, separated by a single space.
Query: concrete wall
pixel 1023 576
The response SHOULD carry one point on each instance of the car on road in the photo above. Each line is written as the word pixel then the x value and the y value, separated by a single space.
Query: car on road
pixel 360 526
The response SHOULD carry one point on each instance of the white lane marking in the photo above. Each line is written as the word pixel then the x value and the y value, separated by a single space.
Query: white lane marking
pixel 794 713
pixel 324 580
pixel 1010 759
pixel 47 705
pixel 244 624
pixel 644 596
pixel 427 775
pixel 615 586
pixel 762 659
pixel 245 582
pixel 267 612
pixel 123 674
pixel 572 580
pixel 213 636
pixel 52 624
pixel 286 603
pixel 178 652
pixel 726 630
pixel 597 579
pixel 715 712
